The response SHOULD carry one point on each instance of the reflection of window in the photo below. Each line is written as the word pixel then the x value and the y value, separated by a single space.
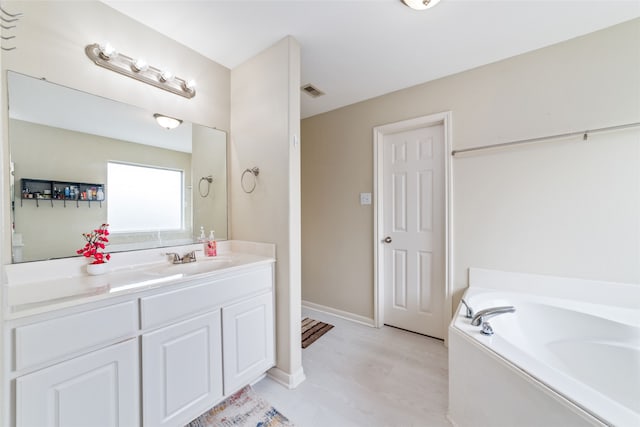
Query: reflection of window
pixel 143 198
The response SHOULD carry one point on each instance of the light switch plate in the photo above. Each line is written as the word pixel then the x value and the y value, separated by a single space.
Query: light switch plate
pixel 365 198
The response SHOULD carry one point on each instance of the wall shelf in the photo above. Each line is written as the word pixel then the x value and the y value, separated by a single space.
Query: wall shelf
pixel 40 190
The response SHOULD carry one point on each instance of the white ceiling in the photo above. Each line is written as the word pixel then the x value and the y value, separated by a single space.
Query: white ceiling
pixel 359 49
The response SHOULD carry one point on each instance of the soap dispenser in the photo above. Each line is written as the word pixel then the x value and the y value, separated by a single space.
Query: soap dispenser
pixel 202 237
pixel 211 248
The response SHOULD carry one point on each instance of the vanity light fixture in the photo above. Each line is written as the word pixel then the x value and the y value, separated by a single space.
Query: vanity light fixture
pixel 107 57
pixel 420 4
pixel 166 121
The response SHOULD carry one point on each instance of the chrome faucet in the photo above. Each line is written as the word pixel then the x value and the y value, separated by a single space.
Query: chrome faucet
pixel 481 317
pixel 469 313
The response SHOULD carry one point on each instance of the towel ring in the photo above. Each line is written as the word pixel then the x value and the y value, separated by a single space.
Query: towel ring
pixel 209 180
pixel 255 171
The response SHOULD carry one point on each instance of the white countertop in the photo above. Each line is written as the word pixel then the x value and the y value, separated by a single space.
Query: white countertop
pixel 58 291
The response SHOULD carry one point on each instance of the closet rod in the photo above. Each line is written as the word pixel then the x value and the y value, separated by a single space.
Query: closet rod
pixel 584 134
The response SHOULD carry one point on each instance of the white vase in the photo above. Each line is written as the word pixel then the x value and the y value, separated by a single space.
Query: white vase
pixel 97 269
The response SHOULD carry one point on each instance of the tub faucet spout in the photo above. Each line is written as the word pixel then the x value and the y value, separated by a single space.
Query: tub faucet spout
pixel 487 313
pixel 469 313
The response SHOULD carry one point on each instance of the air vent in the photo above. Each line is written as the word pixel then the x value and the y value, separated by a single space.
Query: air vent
pixel 312 91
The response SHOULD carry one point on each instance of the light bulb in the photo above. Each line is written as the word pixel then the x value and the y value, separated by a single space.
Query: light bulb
pixel 139 65
pixel 106 51
pixel 166 76
pixel 189 86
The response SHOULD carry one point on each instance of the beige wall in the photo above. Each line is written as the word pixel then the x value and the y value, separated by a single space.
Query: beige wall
pixel 48 153
pixel 209 157
pixel 265 119
pixel 568 208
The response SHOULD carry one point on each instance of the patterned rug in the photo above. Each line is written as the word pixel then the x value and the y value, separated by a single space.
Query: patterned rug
pixel 312 330
pixel 246 409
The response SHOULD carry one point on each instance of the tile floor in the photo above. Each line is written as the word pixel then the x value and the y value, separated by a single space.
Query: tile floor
pixel 363 376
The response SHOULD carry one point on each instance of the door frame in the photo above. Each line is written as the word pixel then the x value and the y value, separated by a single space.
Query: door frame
pixel 379 133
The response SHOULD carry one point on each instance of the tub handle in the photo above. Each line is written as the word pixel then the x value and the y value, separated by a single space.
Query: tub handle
pixel 486 329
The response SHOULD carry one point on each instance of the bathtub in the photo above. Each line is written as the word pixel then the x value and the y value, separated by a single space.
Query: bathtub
pixel 563 358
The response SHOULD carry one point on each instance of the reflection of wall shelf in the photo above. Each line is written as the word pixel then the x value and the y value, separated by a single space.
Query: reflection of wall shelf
pixel 61 191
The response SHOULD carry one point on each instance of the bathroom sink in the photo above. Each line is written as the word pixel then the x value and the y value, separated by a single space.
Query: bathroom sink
pixel 201 266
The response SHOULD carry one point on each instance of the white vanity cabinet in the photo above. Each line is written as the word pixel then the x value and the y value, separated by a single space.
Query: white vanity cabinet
pixel 181 370
pixel 97 389
pixel 153 357
pixel 183 356
pixel 248 340
pixel 78 369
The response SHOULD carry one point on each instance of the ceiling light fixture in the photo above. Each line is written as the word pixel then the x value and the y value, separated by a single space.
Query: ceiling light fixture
pixel 420 4
pixel 166 121
pixel 107 57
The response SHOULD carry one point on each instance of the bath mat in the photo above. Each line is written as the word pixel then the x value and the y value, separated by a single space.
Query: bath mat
pixel 312 330
pixel 244 408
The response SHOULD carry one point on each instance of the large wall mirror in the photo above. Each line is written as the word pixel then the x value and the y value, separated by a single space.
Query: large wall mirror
pixel 79 160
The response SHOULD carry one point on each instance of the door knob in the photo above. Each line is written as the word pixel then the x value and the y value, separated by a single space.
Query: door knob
pixel 387 239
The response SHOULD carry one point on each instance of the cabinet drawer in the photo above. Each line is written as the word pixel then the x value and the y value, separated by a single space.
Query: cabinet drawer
pixel 65 336
pixel 170 306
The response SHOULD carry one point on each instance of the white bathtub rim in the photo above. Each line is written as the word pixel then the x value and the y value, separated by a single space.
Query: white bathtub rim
pixel 614 294
pixel 624 315
pixel 591 401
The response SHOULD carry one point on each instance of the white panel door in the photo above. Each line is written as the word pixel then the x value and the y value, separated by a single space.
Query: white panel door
pixel 98 389
pixel 248 336
pixel 414 230
pixel 181 371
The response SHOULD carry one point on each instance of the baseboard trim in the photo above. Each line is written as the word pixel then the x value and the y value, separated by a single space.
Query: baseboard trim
pixel 338 313
pixel 290 381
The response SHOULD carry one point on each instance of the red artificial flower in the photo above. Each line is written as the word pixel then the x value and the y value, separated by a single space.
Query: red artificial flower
pixel 96 241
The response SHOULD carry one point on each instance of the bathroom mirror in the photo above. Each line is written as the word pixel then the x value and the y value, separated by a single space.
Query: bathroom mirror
pixel 79 160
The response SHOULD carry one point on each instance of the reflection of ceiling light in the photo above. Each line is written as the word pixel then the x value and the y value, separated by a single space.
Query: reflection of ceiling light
pixel 167 122
pixel 420 4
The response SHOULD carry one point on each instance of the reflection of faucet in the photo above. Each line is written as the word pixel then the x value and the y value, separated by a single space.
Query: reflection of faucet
pixel 175 258
pixel 482 316
pixel 187 258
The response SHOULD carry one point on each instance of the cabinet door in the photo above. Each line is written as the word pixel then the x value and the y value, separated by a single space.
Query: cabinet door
pixel 181 370
pixel 248 340
pixel 97 389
